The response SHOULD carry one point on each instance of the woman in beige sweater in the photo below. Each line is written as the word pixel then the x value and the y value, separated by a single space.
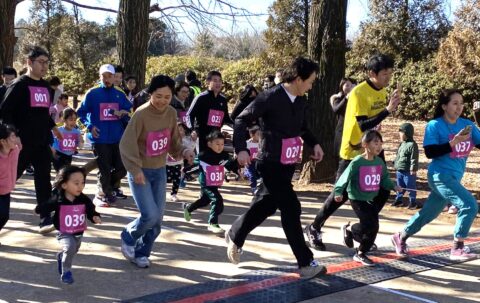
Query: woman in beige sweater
pixel 150 135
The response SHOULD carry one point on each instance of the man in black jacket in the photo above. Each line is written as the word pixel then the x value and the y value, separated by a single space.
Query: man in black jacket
pixel 282 111
pixel 8 75
pixel 26 106
pixel 209 110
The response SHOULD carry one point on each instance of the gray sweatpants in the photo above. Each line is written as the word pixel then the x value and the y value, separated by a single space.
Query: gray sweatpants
pixel 70 245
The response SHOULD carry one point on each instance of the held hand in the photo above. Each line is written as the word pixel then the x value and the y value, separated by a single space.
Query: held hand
pixel 459 138
pixel 57 133
pixel 120 113
pixel 394 101
pixel 188 155
pixel 398 189
pixel 243 158
pixel 139 178
pixel 317 153
pixel 97 220
pixel 338 199
pixel 95 132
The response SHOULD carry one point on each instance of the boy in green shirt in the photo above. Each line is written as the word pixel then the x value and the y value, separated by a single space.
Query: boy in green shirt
pixel 362 180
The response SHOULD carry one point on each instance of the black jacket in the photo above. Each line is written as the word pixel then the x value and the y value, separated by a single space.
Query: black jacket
pixel 279 119
pixel 200 108
pixel 34 124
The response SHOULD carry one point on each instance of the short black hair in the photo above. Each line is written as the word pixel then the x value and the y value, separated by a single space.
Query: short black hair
pixel 270 78
pixel 379 62
pixel 54 81
pixel 8 70
pixel 212 74
pixel 300 67
pixel 118 69
pixel 34 51
pixel 63 96
pixel 130 77
pixel 371 135
pixel 190 75
pixel 215 135
pixel 160 81
pixel 68 112
pixel 179 85
pixel 6 130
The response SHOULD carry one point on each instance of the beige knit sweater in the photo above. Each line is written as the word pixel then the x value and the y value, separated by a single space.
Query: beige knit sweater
pixel 133 143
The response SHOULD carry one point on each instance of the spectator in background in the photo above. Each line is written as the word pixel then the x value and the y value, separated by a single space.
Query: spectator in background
pixel 268 82
pixel 8 75
pixel 57 87
pixel 130 88
pixel 278 76
pixel 195 86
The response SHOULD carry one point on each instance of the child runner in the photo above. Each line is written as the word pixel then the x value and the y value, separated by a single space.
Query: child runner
pixel 362 179
pixel 448 141
pixel 71 208
pixel 150 135
pixel 64 149
pixel 58 108
pixel 174 167
pixel 252 145
pixel 10 147
pixel 406 165
pixel 211 162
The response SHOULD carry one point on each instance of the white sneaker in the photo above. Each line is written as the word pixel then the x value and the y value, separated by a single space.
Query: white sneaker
pixel 312 270
pixel 233 251
pixel 128 251
pixel 141 262
pixel 173 198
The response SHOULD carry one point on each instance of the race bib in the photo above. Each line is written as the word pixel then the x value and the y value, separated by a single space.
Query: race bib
pixel 462 149
pixel 157 142
pixel 39 96
pixel 72 219
pixel 253 152
pixel 215 118
pixel 182 116
pixel 69 142
pixel 214 175
pixel 291 148
pixel 106 111
pixel 370 177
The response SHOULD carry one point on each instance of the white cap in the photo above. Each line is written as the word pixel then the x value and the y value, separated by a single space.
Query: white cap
pixel 107 68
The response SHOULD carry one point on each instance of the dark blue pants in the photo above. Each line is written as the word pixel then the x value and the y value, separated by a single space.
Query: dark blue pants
pixel 406 180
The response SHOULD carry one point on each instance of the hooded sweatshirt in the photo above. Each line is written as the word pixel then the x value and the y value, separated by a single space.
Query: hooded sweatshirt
pixel 407 154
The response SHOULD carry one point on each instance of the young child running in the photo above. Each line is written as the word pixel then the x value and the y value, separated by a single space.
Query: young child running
pixel 363 178
pixel 72 208
pixel 406 165
pixel 174 167
pixel 10 147
pixel 211 162
pixel 252 145
pixel 64 149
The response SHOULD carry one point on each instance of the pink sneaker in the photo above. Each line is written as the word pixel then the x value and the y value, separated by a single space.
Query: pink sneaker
pixel 461 254
pixel 400 247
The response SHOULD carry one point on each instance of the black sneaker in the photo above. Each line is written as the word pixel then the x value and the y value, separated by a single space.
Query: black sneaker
pixel 314 238
pixel 29 171
pixel 118 193
pixel 413 205
pixel 46 225
pixel 362 258
pixel 347 235
pixel 397 203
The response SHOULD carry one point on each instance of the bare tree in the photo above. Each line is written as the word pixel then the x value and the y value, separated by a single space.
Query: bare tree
pixel 326 44
pixel 7 31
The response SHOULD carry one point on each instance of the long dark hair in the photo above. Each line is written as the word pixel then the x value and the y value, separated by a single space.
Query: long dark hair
pixel 343 81
pixel 64 175
pixel 443 99
pixel 247 91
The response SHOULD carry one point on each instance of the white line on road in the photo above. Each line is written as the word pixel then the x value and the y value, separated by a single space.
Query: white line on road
pixel 403 294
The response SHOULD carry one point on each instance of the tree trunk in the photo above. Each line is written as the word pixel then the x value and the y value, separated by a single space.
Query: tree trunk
pixel 7 32
pixel 132 37
pixel 326 44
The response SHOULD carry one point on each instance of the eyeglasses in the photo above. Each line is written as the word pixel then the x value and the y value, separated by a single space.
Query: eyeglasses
pixel 41 62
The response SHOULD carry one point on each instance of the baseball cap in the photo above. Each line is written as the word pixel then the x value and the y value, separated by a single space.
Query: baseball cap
pixel 107 68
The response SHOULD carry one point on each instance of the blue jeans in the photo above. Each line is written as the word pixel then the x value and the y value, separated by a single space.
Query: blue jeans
pixel 445 189
pixel 406 180
pixel 150 200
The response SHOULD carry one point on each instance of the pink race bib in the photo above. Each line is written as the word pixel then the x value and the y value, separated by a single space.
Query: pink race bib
pixel 39 96
pixel 215 118
pixel 157 142
pixel 370 177
pixel 291 148
pixel 253 153
pixel 106 111
pixel 69 142
pixel 182 116
pixel 72 219
pixel 462 149
pixel 214 175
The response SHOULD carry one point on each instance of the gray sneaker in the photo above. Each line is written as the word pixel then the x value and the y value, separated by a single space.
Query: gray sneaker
pixel 141 262
pixel 312 270
pixel 233 251
pixel 128 251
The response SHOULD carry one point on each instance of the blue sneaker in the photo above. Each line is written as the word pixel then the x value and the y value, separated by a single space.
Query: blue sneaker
pixel 59 262
pixel 67 277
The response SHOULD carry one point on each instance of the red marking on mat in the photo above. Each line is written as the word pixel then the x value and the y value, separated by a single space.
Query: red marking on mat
pixel 291 277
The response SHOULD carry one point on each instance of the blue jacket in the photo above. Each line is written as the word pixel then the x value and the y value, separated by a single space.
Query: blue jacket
pixel 89 113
